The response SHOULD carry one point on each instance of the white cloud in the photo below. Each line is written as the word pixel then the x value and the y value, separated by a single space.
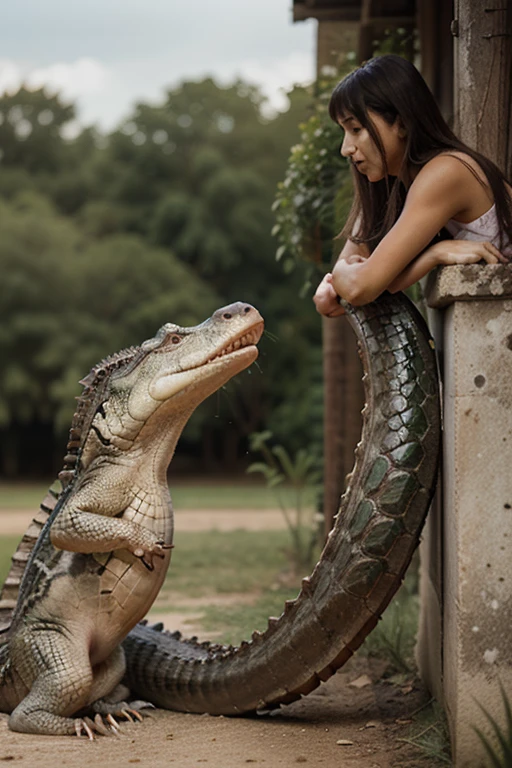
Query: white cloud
pixel 105 95
pixel 274 77
pixel 73 80
pixel 10 76
pixel 77 82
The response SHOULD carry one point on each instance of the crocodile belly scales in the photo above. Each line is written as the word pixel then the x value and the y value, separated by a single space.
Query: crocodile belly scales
pixel 363 562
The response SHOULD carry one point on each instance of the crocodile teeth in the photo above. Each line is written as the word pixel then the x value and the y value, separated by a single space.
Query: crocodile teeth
pixel 243 341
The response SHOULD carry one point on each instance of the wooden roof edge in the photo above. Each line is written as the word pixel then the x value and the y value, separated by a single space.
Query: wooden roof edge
pixel 302 11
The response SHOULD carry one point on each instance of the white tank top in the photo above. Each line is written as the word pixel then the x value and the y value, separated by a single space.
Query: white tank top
pixel 483 229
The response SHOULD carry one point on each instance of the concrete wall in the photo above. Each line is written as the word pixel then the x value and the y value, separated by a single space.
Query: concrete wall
pixel 467 582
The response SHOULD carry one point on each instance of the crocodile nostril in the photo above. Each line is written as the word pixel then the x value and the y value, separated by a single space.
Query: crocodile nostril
pixel 247 309
pixel 227 315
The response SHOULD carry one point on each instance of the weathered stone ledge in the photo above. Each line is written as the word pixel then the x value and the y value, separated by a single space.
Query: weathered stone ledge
pixel 468 282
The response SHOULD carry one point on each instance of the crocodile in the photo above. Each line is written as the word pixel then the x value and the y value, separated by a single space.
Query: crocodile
pixel 374 536
pixel 94 559
pixel 367 552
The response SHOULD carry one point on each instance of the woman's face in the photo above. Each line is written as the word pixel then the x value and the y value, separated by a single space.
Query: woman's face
pixel 364 154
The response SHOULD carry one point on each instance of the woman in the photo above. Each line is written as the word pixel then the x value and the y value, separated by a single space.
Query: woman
pixel 413 177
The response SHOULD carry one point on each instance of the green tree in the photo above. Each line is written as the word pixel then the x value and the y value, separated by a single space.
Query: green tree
pixel 31 130
pixel 65 303
pixel 192 179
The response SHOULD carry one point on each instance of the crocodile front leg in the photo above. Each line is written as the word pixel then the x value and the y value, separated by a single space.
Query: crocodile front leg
pixel 78 530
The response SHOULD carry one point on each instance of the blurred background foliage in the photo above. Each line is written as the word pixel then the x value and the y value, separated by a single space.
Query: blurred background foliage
pixel 103 238
pixel 314 198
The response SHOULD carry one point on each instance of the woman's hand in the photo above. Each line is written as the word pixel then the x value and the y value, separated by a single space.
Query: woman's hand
pixel 450 252
pixel 326 299
pixel 346 278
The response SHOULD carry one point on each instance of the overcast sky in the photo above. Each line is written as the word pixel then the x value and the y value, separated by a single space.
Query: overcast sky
pixel 107 54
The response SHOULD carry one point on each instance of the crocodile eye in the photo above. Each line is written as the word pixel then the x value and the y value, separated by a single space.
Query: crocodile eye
pixel 175 339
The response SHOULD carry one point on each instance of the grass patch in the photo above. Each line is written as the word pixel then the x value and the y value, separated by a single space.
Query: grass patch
pixel 394 637
pixel 210 562
pixel 430 735
pixel 498 745
pixel 213 562
pixel 237 622
pixel 185 495
pixel 7 546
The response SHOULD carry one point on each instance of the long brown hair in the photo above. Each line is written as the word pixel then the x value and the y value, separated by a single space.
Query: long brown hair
pixel 393 88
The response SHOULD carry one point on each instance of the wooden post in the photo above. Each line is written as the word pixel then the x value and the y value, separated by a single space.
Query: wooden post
pixel 343 402
pixel 343 390
pixel 483 69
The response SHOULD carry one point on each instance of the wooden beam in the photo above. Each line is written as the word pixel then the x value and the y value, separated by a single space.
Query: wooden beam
pixel 365 11
pixel 301 12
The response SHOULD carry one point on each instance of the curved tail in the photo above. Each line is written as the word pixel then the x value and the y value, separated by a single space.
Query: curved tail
pixel 362 565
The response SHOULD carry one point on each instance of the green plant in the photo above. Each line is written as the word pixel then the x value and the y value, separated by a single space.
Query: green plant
pixel 500 753
pixel 307 207
pixel 430 734
pixel 394 636
pixel 303 475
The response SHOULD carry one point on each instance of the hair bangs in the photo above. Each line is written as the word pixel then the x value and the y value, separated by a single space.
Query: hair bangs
pixel 348 99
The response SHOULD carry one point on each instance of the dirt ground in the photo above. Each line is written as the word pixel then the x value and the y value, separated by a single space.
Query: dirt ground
pixel 355 720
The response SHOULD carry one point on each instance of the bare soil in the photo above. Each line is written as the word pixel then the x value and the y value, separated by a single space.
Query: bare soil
pixel 339 724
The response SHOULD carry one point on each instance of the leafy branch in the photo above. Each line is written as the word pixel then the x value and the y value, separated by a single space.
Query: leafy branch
pixel 302 474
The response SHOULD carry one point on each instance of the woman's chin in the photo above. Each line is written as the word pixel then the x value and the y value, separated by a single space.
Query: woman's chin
pixel 374 176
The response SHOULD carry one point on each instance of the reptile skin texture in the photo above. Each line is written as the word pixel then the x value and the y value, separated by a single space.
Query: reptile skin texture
pixel 376 531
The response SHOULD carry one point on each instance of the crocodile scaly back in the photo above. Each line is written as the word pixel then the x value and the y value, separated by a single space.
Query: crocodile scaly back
pixel 95 385
pixel 363 563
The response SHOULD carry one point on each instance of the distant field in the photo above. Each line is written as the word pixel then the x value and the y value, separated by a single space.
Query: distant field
pixel 186 495
pixel 209 563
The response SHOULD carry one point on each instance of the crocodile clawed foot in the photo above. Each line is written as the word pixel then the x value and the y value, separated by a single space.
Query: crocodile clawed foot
pixel 130 711
pixel 96 726
pixel 146 556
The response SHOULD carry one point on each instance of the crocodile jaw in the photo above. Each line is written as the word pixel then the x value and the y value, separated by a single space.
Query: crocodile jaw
pixel 205 359
pixel 225 362
pixel 225 367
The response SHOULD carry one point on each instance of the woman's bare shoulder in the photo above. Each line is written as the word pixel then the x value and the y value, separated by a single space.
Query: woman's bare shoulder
pixel 458 164
pixel 443 174
pixel 458 176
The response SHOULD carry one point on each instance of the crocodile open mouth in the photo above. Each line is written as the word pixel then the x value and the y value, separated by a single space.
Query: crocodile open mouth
pixel 247 339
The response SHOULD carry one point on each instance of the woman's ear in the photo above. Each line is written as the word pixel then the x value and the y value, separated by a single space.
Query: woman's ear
pixel 401 131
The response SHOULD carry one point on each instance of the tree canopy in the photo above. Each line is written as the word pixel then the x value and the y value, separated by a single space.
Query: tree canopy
pixel 105 237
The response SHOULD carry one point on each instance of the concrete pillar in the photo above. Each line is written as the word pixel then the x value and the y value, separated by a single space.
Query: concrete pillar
pixel 467 586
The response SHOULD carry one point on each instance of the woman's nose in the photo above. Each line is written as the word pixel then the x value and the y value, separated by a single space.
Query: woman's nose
pixel 347 147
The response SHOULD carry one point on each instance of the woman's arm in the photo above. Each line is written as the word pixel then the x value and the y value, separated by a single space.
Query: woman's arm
pixel 442 189
pixel 326 298
pixel 444 253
